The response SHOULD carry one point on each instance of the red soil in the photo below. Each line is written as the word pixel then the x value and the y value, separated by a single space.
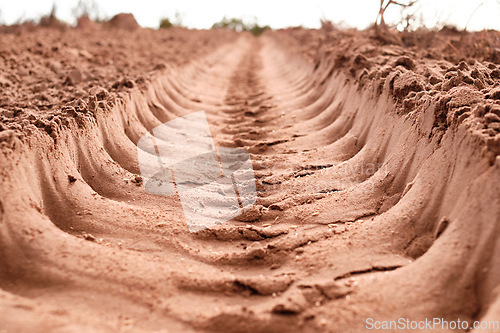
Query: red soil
pixel 378 175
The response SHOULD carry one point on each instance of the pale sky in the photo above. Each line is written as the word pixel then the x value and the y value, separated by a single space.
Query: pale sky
pixel 276 13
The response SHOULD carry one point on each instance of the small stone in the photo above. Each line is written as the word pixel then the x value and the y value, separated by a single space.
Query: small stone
pixel 405 62
pixel 334 290
pixel 89 237
pixel 99 92
pixel 434 80
pixel 137 180
pixel 275 207
pixel 294 304
pixel 479 110
pixel 123 83
pixel 494 93
pixel 340 229
pixel 491 117
pixel 463 65
pixel 159 67
pixel 74 77
pixel 442 225
pixel 252 214
pixel 129 83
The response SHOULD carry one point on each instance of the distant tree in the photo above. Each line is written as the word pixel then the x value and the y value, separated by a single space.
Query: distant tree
pixel 257 30
pixel 237 24
pixel 166 22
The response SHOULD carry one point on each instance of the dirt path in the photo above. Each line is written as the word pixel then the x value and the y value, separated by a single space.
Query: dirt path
pixel 361 212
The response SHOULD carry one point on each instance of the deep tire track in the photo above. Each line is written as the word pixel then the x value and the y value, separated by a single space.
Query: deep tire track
pixel 345 206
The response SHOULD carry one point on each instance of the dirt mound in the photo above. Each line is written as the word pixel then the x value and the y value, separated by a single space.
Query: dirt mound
pixel 377 172
pixel 84 22
pixel 124 21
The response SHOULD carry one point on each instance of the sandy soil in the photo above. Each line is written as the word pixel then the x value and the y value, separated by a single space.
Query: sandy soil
pixel 378 178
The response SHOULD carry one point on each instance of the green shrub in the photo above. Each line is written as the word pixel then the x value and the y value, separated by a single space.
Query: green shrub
pixel 238 25
pixel 165 23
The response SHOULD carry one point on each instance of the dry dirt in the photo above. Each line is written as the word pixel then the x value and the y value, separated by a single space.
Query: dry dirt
pixel 377 166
